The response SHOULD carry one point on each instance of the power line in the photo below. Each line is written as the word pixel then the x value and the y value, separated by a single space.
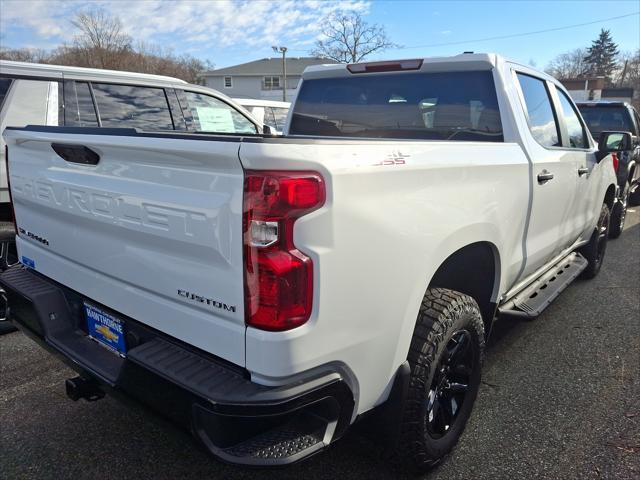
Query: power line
pixel 501 37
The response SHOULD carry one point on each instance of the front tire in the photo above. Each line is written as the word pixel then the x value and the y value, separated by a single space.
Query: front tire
pixel 619 213
pixel 594 251
pixel 445 359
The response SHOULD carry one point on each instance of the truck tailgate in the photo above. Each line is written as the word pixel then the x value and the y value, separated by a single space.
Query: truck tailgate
pixel 153 230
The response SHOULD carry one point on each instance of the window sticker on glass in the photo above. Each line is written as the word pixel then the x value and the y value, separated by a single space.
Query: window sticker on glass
pixel 215 119
pixel 213 115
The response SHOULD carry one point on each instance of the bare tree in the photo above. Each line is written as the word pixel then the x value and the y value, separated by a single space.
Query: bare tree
pixel 347 38
pixel 101 41
pixel 628 71
pixel 33 55
pixel 569 65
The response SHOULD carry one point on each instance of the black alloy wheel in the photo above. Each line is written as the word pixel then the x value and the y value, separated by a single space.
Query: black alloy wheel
pixel 450 384
pixel 603 235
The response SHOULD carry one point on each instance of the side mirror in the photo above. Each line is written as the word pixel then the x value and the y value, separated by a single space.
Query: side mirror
pixel 635 140
pixel 611 142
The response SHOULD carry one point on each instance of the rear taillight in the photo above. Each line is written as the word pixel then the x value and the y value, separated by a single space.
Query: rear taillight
pixel 13 210
pixel 616 161
pixel 278 276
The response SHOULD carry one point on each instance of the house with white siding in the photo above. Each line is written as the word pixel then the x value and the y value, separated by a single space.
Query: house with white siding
pixel 261 79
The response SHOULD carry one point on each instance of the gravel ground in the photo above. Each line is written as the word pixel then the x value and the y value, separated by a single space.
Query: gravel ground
pixel 560 399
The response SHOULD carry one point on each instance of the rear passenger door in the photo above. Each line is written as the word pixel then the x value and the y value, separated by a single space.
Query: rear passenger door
pixel 552 226
pixel 577 145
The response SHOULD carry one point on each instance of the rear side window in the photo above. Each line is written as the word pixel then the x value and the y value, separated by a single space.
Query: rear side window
pixel 79 110
pixel 208 114
pixel 542 121
pixel 279 117
pixel 577 135
pixel 458 106
pixel 5 83
pixel 130 106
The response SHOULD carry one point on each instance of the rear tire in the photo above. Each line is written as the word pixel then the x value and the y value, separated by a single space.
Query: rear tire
pixel 594 251
pixel 619 213
pixel 445 359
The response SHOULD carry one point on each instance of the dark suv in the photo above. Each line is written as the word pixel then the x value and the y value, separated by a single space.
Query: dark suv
pixel 618 116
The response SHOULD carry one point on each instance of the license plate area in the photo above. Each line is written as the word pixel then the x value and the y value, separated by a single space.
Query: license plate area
pixel 106 329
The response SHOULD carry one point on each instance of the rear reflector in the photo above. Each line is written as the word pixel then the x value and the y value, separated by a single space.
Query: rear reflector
pixel 278 276
pixel 389 66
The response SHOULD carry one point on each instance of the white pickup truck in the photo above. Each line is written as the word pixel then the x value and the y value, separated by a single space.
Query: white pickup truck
pixel 268 292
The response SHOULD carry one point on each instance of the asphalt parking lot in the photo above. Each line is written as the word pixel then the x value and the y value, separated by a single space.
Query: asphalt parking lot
pixel 560 399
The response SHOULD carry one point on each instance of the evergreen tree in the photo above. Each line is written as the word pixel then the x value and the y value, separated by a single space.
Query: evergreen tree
pixel 601 55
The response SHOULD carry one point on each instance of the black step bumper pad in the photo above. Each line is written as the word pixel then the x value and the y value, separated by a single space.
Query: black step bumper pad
pixel 238 420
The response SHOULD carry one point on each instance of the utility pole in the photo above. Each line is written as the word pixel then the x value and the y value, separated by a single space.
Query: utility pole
pixel 283 50
pixel 624 73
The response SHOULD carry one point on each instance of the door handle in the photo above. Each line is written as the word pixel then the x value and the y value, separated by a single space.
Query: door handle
pixel 544 176
pixel 76 153
pixel 583 171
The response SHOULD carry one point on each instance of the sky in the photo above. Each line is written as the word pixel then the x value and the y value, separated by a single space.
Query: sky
pixel 229 32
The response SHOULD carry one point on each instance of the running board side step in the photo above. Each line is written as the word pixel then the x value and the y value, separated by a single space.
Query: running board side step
pixel 533 299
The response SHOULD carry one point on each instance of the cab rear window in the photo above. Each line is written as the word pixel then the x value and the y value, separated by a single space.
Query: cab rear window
pixel 602 119
pixel 455 106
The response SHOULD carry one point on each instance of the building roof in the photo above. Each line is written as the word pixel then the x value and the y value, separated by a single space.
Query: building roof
pixel 586 83
pixel 269 66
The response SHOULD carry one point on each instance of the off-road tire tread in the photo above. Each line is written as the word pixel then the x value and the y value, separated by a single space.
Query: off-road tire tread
pixel 616 213
pixel 590 250
pixel 436 316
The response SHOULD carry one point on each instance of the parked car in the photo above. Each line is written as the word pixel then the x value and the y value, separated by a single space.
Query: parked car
pixel 267 112
pixel 607 116
pixel 267 292
pixel 37 94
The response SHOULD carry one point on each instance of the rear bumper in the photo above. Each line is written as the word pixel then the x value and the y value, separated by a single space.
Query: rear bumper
pixel 239 421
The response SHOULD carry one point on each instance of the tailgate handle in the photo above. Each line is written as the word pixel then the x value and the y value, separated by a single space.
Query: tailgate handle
pixel 76 153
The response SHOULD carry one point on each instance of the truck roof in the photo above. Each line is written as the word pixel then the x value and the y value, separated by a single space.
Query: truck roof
pixel 460 62
pixel 60 71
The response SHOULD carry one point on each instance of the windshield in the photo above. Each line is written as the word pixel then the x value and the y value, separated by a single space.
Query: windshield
pixel 602 119
pixel 432 106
